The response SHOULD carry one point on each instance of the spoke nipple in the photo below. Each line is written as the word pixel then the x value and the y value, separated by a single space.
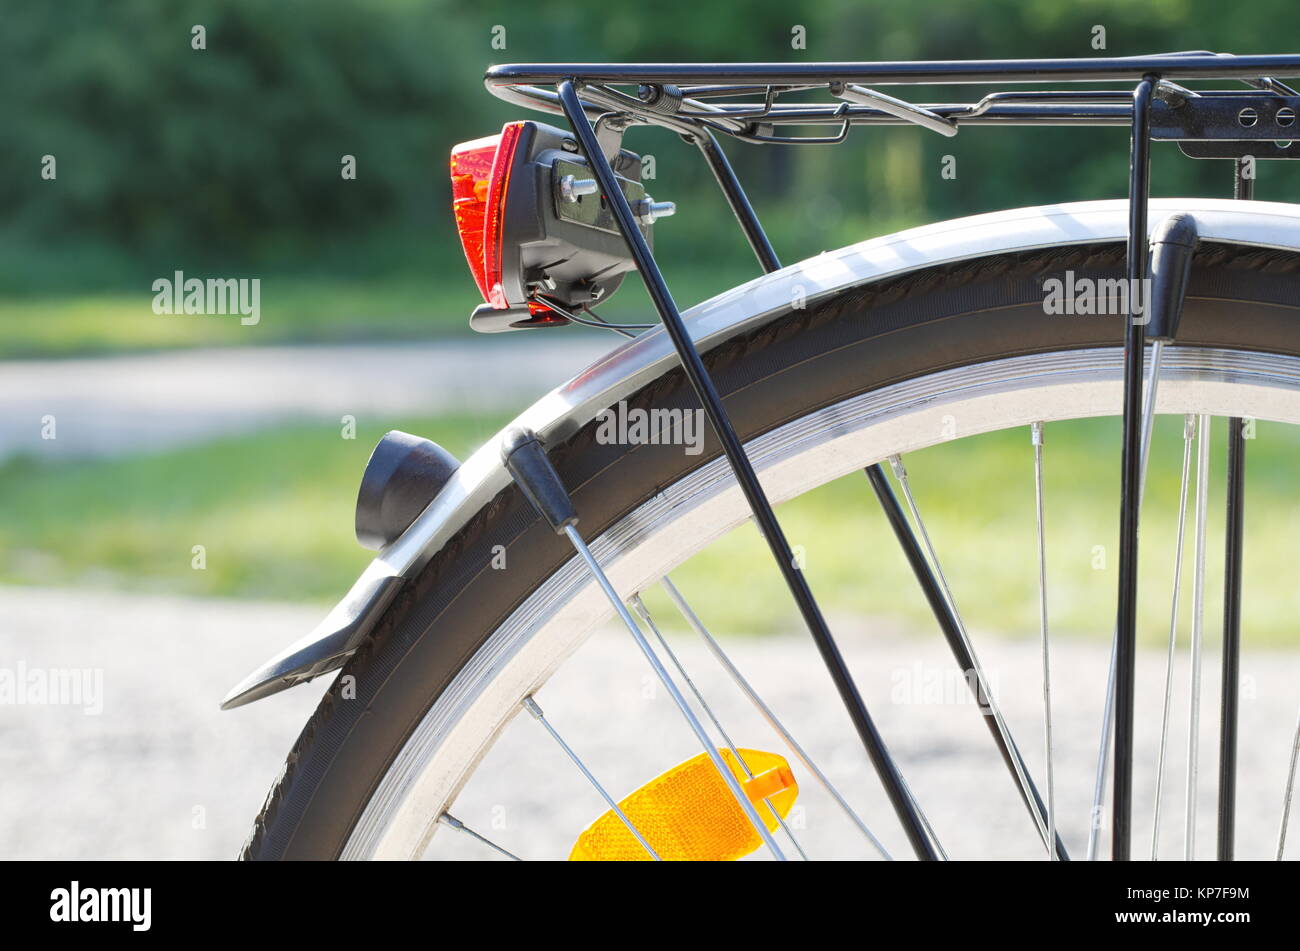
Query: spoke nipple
pixel 531 706
pixel 1189 426
pixel 639 607
pixel 449 820
pixel 1036 433
pixel 896 464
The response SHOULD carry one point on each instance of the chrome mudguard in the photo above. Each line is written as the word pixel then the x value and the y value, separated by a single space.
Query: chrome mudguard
pixel 626 369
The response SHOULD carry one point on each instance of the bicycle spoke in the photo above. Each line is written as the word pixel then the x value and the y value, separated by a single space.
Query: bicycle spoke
pixel 1290 788
pixel 1198 624
pixel 1036 436
pixel 451 822
pixel 657 666
pixel 526 461
pixel 958 639
pixel 691 618
pixel 644 613
pixel 925 822
pixel 531 706
pixel 1189 430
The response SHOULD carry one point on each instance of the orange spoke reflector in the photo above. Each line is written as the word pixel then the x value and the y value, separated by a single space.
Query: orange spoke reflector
pixel 689 814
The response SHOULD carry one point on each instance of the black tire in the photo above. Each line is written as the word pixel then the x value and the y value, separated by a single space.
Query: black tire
pixel 935 319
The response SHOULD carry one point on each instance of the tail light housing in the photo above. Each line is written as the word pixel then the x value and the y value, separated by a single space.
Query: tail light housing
pixel 480 180
pixel 531 238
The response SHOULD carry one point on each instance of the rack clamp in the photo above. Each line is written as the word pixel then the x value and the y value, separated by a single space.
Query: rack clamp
pixel 1229 125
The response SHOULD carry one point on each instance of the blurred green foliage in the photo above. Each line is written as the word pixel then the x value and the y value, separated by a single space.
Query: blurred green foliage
pixel 229 157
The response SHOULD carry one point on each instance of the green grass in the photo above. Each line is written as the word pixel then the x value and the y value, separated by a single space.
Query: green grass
pixel 292 310
pixel 385 287
pixel 274 513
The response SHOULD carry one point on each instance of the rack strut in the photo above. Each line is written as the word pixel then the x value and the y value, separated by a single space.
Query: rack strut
pixel 752 101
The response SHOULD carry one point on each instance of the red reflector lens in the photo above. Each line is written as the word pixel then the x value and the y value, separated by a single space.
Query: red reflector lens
pixel 480 181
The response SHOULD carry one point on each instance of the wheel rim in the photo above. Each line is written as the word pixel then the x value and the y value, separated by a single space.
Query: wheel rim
pixel 519 656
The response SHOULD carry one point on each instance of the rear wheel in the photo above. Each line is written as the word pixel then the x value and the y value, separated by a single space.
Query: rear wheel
pixel 874 372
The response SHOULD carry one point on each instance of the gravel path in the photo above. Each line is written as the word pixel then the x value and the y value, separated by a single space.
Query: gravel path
pixel 161 772
pixel 114 405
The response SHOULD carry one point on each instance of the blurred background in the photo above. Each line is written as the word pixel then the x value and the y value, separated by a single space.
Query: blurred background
pixel 178 490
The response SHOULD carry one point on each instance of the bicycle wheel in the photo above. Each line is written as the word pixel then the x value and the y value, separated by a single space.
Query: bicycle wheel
pixel 816 392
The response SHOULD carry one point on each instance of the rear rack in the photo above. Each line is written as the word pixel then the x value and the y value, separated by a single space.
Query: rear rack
pixel 756 102
pixel 745 100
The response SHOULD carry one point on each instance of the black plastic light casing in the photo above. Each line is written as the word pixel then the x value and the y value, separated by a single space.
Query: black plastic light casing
pixel 545 248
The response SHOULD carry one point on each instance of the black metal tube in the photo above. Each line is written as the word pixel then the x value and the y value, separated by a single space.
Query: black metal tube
pixel 943 613
pixel 1101 114
pixel 702 383
pixel 758 241
pixel 1232 560
pixel 1131 474
pixel 1234 525
pixel 739 202
pixel 1115 68
pixel 1242 187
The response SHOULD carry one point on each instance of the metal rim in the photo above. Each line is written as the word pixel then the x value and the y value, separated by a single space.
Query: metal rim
pixel 518 657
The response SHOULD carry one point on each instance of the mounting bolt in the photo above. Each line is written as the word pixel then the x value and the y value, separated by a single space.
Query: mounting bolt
pixel 1247 117
pixel 1285 117
pixel 571 188
pixel 647 210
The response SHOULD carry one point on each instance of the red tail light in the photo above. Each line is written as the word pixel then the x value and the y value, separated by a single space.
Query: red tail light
pixel 480 182
pixel 540 238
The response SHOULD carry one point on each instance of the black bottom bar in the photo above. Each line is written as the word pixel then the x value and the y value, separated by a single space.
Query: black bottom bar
pixel 186 897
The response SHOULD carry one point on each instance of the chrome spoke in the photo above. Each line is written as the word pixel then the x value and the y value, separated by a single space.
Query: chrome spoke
pixel 1198 625
pixel 644 613
pixel 531 706
pixel 925 822
pixel 1290 788
pixel 661 672
pixel 765 711
pixel 1103 759
pixel 451 822
pixel 985 690
pixel 1108 709
pixel 1189 431
pixel 1036 436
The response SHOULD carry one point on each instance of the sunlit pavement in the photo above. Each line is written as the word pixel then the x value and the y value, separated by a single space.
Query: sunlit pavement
pixel 161 772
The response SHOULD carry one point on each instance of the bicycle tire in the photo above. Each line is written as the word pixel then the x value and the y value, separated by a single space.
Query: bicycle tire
pixel 866 337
